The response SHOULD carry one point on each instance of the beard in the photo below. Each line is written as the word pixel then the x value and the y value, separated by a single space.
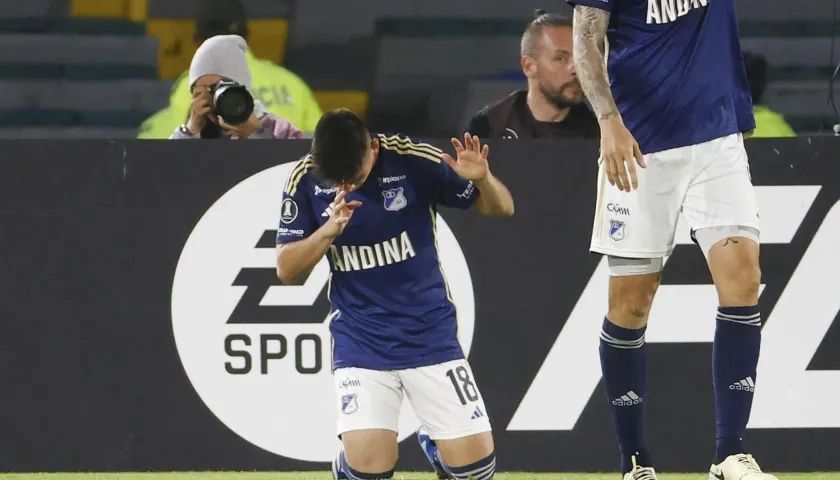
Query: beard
pixel 565 96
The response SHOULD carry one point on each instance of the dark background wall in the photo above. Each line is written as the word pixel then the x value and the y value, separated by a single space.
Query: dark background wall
pixel 90 377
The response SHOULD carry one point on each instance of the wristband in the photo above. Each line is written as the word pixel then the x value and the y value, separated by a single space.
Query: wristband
pixel 186 131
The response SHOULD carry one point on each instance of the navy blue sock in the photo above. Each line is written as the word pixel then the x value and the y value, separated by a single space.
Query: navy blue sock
pixel 483 469
pixel 624 369
pixel 356 475
pixel 734 361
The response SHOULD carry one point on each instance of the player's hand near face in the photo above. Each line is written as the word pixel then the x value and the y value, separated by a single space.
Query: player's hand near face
pixel 342 212
pixel 471 163
pixel 620 153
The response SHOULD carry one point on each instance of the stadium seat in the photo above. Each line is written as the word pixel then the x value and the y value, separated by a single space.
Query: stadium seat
pixel 176 45
pixel 146 96
pixel 78 49
pixel 77 56
pixel 415 62
pixel 780 11
pixel 48 103
pixel 97 26
pixel 19 105
pixel 99 8
pixel 109 72
pixel 186 9
pixel 347 21
pixel 267 38
pixel 32 9
pixel 355 101
pixel 15 70
pixel 16 103
pixel 28 16
pixel 800 100
pixel 799 51
pixel 51 71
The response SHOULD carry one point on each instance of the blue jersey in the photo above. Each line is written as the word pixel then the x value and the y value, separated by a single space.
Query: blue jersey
pixel 676 70
pixel 389 302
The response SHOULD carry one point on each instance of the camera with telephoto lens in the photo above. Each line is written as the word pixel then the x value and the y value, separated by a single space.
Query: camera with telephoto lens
pixel 232 102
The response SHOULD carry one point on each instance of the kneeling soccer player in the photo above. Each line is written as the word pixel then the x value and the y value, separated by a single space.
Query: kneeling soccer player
pixel 369 202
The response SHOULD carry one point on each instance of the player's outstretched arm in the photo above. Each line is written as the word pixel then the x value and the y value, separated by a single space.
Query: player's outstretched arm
pixel 471 164
pixel 590 32
pixel 494 198
pixel 299 257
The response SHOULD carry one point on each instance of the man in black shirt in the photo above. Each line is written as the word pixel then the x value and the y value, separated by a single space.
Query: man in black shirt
pixel 553 105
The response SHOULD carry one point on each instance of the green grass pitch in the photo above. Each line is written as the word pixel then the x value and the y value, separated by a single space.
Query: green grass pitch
pixel 398 476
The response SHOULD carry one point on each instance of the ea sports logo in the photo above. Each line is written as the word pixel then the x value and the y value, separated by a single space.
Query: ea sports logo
pixel 258 352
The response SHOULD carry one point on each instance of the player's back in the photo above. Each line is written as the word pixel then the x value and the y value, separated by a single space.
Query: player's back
pixel 676 70
pixel 390 305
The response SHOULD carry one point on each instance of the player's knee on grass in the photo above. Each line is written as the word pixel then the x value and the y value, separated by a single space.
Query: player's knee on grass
pixel 371 451
pixel 459 452
pixel 733 257
pixel 470 457
pixel 633 284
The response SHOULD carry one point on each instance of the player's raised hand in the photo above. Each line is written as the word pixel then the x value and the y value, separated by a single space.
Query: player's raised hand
pixel 342 211
pixel 620 153
pixel 471 162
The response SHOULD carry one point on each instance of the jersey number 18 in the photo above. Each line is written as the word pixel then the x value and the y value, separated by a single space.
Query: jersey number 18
pixel 462 384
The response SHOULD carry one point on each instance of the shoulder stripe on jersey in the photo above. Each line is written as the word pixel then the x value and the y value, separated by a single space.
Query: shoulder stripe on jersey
pixel 297 173
pixel 401 140
pixel 405 146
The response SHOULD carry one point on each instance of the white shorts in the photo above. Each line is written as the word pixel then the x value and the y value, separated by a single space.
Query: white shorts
pixel 371 399
pixel 709 183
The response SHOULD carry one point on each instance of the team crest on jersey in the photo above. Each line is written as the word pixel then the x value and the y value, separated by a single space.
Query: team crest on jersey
pixel 395 199
pixel 349 404
pixel 617 230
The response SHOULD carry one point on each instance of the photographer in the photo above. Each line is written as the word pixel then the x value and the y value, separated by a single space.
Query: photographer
pixel 222 105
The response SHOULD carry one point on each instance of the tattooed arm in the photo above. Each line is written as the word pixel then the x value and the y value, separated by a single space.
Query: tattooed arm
pixel 619 150
pixel 590 31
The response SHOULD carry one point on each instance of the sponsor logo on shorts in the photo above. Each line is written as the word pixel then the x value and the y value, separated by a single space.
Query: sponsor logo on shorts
pixel 251 346
pixel 349 382
pixel 618 209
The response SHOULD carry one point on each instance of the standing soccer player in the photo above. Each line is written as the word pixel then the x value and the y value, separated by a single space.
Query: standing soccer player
pixel 677 106
pixel 369 202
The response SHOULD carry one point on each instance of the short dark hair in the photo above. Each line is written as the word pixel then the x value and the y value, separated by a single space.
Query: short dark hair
pixel 756 66
pixel 535 27
pixel 339 146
